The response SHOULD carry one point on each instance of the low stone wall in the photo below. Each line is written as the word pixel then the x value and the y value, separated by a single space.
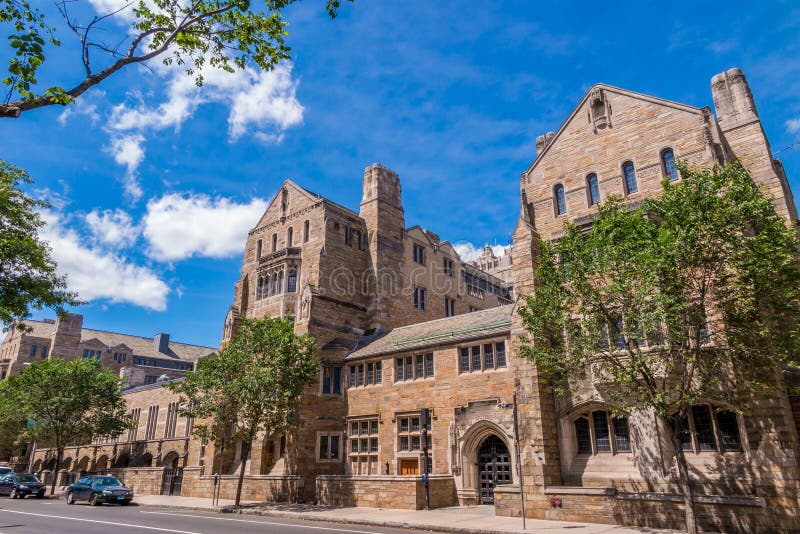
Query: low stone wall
pixel 657 510
pixel 143 480
pixel 262 488
pixel 385 491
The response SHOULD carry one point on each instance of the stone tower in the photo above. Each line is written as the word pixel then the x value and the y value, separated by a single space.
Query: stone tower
pixel 66 336
pixel 738 119
pixel 382 211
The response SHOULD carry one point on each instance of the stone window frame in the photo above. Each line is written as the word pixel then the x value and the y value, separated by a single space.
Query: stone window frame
pixel 589 195
pixel 120 357
pixel 412 362
pixel 694 444
pixel 152 422
pixel 34 348
pixel 328 441
pixel 615 439
pixel 557 209
pixel 449 306
pixel 259 248
pixel 625 186
pixel 274 242
pixel 289 236
pixel 306 230
pixel 448 267
pixel 663 163
pixel 332 380
pixel 494 342
pixel 418 253
pixel 364 453
pixel 420 298
pixel 360 376
pixel 409 435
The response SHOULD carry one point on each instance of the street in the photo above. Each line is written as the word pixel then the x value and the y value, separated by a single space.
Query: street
pixel 56 517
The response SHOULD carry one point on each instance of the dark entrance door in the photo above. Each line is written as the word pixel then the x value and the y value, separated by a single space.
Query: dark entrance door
pixel 494 467
pixel 173 479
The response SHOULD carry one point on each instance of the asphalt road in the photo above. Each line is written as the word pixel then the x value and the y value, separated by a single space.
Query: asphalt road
pixel 34 516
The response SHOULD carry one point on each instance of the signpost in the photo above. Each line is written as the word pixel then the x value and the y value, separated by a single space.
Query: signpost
pixel 424 416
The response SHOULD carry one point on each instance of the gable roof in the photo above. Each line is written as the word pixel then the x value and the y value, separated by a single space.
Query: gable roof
pixel 467 326
pixel 611 89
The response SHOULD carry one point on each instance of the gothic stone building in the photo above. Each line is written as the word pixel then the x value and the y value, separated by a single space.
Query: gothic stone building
pixel 402 324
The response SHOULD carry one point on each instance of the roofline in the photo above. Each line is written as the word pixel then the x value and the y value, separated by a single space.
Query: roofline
pixel 613 89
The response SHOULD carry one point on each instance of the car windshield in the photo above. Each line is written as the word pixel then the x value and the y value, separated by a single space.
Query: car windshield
pixel 5 470
pixel 106 481
pixel 27 478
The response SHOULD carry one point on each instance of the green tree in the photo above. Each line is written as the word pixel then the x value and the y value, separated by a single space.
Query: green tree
pixel 253 386
pixel 11 421
pixel 68 402
pixel 691 297
pixel 219 33
pixel 27 272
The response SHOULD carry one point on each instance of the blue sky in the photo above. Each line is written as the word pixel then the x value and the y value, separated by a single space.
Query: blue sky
pixel 155 183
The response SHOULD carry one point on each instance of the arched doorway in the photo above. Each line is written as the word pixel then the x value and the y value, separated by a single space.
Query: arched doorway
pixel 173 475
pixel 494 468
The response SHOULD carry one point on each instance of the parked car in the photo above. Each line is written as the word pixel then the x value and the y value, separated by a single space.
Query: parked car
pixel 98 490
pixel 5 470
pixel 20 485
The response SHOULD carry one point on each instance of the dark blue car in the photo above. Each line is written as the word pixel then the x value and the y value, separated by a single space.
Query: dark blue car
pixel 98 490
pixel 20 485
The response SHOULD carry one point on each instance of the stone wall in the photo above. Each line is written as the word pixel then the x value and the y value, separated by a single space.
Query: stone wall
pixel 262 488
pixel 383 491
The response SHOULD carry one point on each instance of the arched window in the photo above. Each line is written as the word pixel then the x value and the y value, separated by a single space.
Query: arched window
pixel 289 237
pixel 274 242
pixel 629 172
pixel 258 249
pixel 593 189
pixel 668 164
pixel 305 232
pixel 274 283
pixel 599 431
pixel 259 287
pixel 280 282
pixel 291 282
pixel 559 199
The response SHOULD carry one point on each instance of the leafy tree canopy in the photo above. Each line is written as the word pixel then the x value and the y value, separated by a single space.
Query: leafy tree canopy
pixel 193 34
pixel 68 402
pixel 254 385
pixel 28 277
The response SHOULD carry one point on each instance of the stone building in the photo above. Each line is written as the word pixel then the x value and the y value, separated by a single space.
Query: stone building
pixel 139 360
pixel 389 350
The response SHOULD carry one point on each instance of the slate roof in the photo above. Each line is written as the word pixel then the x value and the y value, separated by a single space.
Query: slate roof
pixel 141 346
pixel 464 327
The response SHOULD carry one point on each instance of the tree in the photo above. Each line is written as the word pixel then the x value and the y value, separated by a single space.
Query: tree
pixel 27 272
pixel 218 33
pixel 68 402
pixel 693 296
pixel 11 421
pixel 254 385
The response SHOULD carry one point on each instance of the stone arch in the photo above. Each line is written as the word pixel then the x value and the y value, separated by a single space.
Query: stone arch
pixel 146 460
pixel 102 463
pixel 170 459
pixel 82 465
pixel 471 443
pixel 123 460
pixel 37 466
pixel 66 463
pixel 49 464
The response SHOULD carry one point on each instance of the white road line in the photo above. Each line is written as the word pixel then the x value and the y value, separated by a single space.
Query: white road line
pixel 102 522
pixel 267 522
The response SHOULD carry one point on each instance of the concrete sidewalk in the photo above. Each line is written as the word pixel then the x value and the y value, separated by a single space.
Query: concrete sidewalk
pixel 474 519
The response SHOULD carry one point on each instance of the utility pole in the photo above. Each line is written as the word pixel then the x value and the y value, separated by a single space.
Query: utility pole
pixel 424 416
pixel 519 463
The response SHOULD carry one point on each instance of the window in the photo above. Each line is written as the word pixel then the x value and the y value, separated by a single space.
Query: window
pixel 44 351
pixel 409 440
pixel 728 425
pixel 364 446
pixel 274 242
pixel 367 374
pixel 598 432
pixel 134 429
pixel 668 164
pixel 447 265
pixel 593 189
pixel 629 173
pixel 150 379
pixel 482 357
pixel 348 236
pixel 419 254
pixel 414 367
pixel 559 200
pixel 332 380
pixel 120 357
pixel 152 422
pixel 449 307
pixel 305 231
pixel 329 447
pixel 419 298
pixel 289 236
pixel 172 420
pixel 258 249
pixel 89 354
pixel 32 352
pixel 705 430
pixel 291 282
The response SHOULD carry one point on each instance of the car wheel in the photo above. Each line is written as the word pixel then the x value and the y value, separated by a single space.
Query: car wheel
pixel 14 494
pixel 93 500
pixel 70 498
pixel 40 495
pixel 125 503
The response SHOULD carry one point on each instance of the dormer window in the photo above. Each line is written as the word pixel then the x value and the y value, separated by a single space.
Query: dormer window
pixel 559 200
pixel 629 173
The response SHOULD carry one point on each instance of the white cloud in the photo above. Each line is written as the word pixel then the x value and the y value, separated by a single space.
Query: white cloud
pixel 97 274
pixel 127 150
pixel 82 106
pixel 469 252
pixel 793 125
pixel 114 228
pixel 178 226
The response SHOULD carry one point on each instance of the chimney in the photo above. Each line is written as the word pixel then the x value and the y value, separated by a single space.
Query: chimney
pixel 161 342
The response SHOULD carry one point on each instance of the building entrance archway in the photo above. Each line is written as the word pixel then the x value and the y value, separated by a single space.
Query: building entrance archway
pixel 494 468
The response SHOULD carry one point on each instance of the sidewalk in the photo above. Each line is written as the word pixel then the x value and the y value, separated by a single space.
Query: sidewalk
pixel 474 519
